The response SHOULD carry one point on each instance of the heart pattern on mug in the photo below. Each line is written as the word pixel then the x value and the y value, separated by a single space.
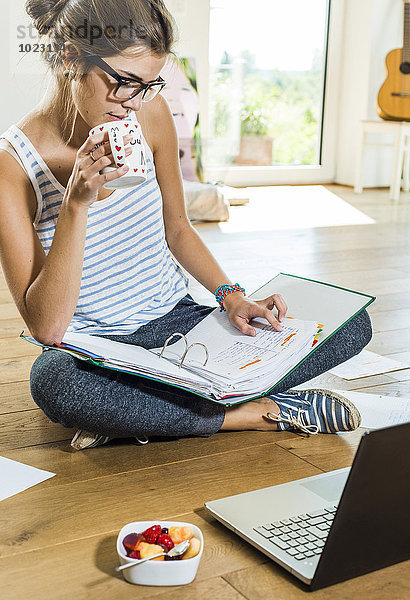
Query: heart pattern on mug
pixel 135 157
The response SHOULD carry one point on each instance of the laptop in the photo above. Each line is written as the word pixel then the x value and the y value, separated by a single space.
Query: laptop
pixel 337 525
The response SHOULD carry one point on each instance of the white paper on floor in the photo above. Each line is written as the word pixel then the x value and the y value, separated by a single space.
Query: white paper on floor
pixel 366 364
pixel 379 411
pixel 16 477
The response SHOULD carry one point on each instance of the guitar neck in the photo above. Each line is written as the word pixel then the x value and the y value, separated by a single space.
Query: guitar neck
pixel 406 33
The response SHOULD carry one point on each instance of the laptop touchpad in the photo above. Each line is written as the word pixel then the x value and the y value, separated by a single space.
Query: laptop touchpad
pixel 330 488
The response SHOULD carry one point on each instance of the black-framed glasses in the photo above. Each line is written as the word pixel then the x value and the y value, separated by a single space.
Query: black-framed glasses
pixel 126 87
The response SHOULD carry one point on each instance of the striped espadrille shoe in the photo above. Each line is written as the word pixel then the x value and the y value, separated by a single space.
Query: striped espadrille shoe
pixel 314 411
pixel 85 439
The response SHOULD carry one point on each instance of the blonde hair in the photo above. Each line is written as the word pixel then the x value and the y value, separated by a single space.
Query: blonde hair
pixel 100 27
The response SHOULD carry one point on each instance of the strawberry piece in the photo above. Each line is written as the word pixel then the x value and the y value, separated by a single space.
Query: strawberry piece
pixel 135 554
pixel 152 533
pixel 165 541
pixel 131 541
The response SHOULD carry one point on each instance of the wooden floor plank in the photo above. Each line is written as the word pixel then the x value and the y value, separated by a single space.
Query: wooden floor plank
pixel 390 343
pixel 84 569
pixel 15 396
pixel 403 357
pixel 73 466
pixel 5 297
pixel 391 320
pixel 269 581
pixel 11 328
pixel 9 311
pixel 388 302
pixel 397 388
pixel 15 369
pixel 39 516
pixel 326 452
pixel 212 588
pixel 28 428
pixel 17 348
pixel 318 263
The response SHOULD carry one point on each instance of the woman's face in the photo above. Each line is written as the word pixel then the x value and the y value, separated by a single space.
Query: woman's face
pixel 94 98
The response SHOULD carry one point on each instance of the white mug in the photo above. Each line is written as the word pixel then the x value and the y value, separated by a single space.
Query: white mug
pixel 136 161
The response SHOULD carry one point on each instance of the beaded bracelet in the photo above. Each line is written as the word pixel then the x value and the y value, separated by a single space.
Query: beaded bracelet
pixel 224 290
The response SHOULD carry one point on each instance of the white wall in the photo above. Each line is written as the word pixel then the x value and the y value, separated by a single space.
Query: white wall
pixel 23 80
pixel 192 17
pixel 27 80
pixel 372 28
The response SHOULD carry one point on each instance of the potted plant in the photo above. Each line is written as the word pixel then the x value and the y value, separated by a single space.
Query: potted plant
pixel 257 106
pixel 256 145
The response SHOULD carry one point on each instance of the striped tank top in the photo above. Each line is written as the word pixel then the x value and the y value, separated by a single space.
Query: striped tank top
pixel 129 275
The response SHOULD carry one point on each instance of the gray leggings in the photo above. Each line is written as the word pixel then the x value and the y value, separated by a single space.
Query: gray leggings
pixel 81 395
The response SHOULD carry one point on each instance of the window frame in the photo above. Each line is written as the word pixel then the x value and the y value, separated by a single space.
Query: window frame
pixel 300 174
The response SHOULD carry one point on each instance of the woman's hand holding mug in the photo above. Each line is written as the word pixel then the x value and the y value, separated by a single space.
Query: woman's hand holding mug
pixel 136 161
pixel 95 155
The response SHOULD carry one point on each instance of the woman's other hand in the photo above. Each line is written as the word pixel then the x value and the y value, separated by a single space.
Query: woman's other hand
pixel 241 310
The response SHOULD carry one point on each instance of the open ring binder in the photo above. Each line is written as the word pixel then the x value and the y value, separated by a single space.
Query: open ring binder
pixel 181 335
pixel 239 367
pixel 189 348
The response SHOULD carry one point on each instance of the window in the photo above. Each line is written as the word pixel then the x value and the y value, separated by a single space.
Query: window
pixel 268 64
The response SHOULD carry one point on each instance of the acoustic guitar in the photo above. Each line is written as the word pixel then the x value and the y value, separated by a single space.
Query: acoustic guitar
pixel 394 96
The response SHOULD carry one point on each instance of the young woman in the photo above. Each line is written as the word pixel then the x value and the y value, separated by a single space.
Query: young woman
pixel 79 257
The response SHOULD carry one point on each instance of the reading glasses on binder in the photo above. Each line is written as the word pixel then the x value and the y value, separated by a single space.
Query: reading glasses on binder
pixel 187 348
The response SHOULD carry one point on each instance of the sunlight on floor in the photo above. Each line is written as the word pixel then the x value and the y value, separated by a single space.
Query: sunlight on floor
pixel 292 207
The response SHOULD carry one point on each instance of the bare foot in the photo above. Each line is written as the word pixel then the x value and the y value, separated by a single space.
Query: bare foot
pixel 250 415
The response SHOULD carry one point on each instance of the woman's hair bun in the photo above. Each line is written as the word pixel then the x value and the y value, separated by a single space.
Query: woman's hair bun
pixel 44 13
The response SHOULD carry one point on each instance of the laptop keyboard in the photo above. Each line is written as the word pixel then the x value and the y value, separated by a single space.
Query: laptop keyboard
pixel 302 536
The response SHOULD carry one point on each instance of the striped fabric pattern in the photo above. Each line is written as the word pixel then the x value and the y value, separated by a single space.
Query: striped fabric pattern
pixel 314 411
pixel 129 275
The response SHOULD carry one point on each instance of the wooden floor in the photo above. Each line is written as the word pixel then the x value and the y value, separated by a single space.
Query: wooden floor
pixel 57 539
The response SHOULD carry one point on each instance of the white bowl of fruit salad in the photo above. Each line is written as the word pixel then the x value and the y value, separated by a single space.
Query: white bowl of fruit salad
pixel 145 538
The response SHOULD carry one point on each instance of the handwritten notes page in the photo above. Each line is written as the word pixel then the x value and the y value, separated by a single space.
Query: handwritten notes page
pixel 366 364
pixel 379 411
pixel 230 357
pixel 235 357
